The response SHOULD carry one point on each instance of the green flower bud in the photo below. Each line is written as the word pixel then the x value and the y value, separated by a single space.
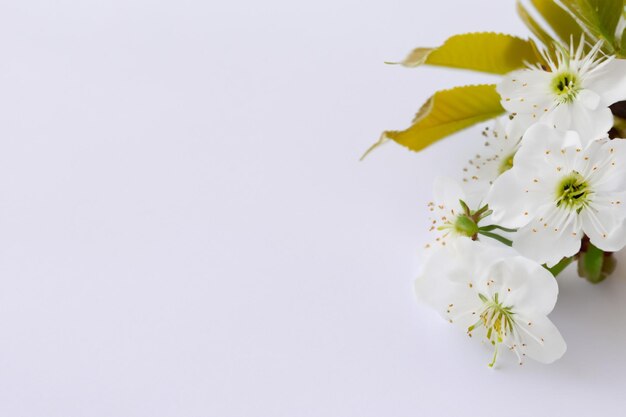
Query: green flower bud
pixel 466 226
pixel 594 264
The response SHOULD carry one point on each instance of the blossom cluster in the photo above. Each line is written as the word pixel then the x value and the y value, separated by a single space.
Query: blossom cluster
pixel 550 190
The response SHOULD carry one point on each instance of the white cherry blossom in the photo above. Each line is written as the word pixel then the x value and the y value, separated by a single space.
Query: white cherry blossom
pixel 497 158
pixel 573 93
pixel 558 191
pixel 449 218
pixel 495 296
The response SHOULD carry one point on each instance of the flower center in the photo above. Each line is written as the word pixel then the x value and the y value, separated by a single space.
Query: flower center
pixel 462 225
pixel 565 86
pixel 573 192
pixel 506 164
pixel 465 225
pixel 497 320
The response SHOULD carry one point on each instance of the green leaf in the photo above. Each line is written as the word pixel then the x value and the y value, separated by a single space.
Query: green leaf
pixel 600 17
pixel 447 112
pixel 560 20
pixel 534 27
pixel 494 53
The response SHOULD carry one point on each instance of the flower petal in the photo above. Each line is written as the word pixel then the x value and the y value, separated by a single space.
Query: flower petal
pixel 591 124
pixel 542 146
pixel 519 124
pixel 549 238
pixel 435 287
pixel 560 117
pixel 515 198
pixel 526 285
pixel 609 81
pixel 605 224
pixel 589 99
pixel 525 92
pixel 448 192
pixel 610 156
pixel 541 340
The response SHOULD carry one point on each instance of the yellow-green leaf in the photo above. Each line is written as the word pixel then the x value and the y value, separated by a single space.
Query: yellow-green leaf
pixel 447 112
pixel 534 27
pixel 563 24
pixel 494 53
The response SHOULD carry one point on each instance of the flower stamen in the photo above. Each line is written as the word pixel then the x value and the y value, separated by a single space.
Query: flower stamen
pixel 497 319
pixel 573 192
pixel 566 86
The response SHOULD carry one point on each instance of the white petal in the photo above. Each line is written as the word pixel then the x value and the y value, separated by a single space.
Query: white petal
pixel 541 147
pixel 560 117
pixel 543 341
pixel 545 240
pixel 610 157
pixel 519 124
pixel 506 194
pixel 609 82
pixel 448 192
pixel 450 275
pixel 515 198
pixel 435 287
pixel 590 124
pixel 606 226
pixel 526 91
pixel 589 99
pixel 476 259
pixel 526 285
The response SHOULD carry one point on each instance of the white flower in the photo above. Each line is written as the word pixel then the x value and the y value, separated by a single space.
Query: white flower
pixel 449 218
pixel 558 191
pixel 573 94
pixel 495 296
pixel 500 148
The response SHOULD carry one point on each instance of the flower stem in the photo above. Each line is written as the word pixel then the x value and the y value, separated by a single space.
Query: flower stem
pixel 495 355
pixel 499 238
pixel 558 268
pixel 495 226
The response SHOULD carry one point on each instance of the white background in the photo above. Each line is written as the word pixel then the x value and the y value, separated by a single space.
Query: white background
pixel 185 229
